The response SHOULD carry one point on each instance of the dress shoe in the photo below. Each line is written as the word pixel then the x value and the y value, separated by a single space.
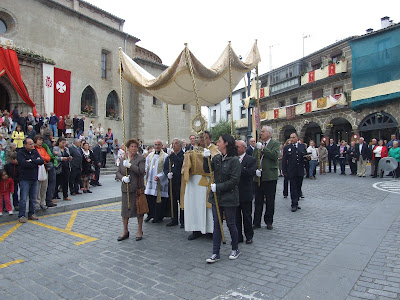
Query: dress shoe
pixel 67 199
pixel 78 193
pixel 256 226
pixel 123 237
pixel 139 238
pixel 44 207
pixel 172 223
pixel 33 217
pixel 99 184
pixel 22 220
pixel 269 226
pixel 182 225
pixel 84 191
pixel 294 208
pixel 148 219
pixel 194 236
pixel 58 197
pixel 89 191
pixel 73 194
pixel 249 241
pixel 51 204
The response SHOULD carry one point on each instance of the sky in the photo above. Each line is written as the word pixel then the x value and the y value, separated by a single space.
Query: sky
pixel 279 26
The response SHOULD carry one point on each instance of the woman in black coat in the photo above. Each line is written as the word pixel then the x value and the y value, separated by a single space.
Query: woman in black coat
pixel 87 167
pixel 227 170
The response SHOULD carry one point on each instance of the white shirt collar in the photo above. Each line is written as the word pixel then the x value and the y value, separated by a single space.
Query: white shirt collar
pixel 241 157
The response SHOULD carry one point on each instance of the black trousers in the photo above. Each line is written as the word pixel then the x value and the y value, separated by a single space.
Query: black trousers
pixel 353 167
pixel 307 167
pixel 157 211
pixel 104 159
pixel 97 173
pixel 377 159
pixel 243 216
pixel 342 162
pixel 265 193
pixel 295 189
pixel 332 159
pixel 74 180
pixel 62 180
pixel 285 186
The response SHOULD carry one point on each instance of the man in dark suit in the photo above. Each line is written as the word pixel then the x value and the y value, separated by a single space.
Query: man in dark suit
pixel 81 126
pixel 97 155
pixel 250 148
pixel 175 162
pixel 192 143
pixel 76 166
pixel 293 168
pixel 333 153
pixel 267 173
pixel 244 210
pixel 361 156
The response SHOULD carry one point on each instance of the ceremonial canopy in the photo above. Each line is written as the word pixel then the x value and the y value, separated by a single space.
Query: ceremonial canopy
pixel 175 85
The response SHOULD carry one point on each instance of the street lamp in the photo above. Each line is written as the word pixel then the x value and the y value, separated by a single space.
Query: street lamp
pixel 304 37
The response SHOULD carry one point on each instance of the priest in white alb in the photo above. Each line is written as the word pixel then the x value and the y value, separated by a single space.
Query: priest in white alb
pixel 156 182
pixel 195 188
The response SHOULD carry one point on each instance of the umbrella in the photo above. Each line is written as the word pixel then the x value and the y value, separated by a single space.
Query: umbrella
pixel 387 164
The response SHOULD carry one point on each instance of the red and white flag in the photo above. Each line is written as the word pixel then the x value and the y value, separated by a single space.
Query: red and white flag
pixel 62 91
pixel 308 106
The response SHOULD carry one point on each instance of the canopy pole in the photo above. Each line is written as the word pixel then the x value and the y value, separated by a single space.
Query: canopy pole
pixel 169 161
pixel 258 123
pixel 230 85
pixel 123 122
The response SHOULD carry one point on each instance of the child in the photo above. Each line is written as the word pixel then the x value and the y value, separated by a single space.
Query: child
pixel 12 171
pixel 6 188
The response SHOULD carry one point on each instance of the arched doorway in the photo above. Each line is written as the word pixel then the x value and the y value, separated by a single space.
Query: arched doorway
pixel 379 125
pixel 341 129
pixel 312 131
pixel 4 98
pixel 286 131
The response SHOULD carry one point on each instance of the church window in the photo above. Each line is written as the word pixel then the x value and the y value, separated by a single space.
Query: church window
pixel 88 101
pixel 112 105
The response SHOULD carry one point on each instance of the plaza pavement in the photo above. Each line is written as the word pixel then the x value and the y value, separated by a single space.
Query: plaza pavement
pixel 343 244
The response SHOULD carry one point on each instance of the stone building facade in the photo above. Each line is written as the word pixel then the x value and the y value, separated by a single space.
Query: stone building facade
pixel 77 36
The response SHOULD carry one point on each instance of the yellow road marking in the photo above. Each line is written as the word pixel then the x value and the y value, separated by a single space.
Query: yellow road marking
pixel 86 238
pixel 99 206
pixel 11 263
pixel 3 237
pixel 71 221
pixel 8 223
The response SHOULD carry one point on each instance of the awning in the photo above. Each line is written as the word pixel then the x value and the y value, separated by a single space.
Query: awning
pixel 175 86
pixel 9 65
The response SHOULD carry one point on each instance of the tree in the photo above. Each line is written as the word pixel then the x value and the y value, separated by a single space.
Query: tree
pixel 222 127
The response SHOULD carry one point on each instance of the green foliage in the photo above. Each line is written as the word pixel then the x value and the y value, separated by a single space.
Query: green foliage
pixel 222 127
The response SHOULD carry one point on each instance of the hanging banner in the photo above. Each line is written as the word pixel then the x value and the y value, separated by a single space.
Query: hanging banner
pixel 311 76
pixel 332 69
pixel 62 91
pixel 48 88
pixel 308 107
pixel 276 113
pixel 321 102
pixel 262 93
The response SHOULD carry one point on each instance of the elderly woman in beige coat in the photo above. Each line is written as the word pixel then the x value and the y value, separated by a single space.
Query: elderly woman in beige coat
pixel 322 158
pixel 131 174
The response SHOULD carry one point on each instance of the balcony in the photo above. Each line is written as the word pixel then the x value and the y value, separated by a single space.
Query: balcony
pixel 324 72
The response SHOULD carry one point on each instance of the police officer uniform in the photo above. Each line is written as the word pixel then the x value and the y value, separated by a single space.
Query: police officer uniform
pixel 293 168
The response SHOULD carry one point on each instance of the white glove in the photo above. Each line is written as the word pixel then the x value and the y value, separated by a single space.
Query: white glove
pixel 170 175
pixel 126 164
pixel 169 151
pixel 258 173
pixel 213 187
pixel 207 153
pixel 259 145
pixel 126 179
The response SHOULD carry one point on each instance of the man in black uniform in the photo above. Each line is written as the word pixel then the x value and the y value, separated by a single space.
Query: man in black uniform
pixel 175 160
pixel 293 168
pixel 333 153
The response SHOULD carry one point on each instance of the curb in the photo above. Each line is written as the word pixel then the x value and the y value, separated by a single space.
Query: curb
pixel 64 208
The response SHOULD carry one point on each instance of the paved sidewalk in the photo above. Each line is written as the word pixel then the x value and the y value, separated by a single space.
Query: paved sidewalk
pixel 108 193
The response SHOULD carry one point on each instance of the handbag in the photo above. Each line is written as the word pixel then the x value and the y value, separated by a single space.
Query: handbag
pixel 42 174
pixel 141 201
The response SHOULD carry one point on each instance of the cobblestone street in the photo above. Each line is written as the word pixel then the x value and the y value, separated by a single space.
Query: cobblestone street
pixel 343 244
